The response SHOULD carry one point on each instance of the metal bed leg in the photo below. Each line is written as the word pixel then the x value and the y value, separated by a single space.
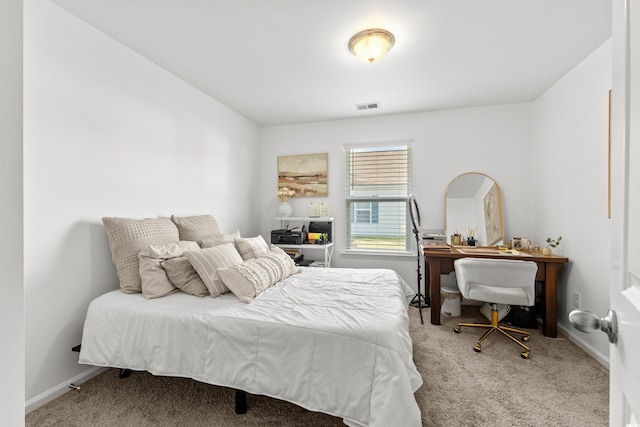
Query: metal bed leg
pixel 241 402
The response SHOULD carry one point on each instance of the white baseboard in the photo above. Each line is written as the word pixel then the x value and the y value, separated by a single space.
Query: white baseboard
pixel 57 391
pixel 577 340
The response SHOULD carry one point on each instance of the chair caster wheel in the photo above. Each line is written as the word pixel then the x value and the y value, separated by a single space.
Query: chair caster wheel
pixel 524 354
pixel 457 329
pixel 525 338
pixel 477 348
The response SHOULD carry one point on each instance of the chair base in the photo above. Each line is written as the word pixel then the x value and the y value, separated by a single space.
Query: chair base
pixel 495 326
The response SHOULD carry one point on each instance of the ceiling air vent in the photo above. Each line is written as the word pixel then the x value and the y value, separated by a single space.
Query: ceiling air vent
pixel 367 106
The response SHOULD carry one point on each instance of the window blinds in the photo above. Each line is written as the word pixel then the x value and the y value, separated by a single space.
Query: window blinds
pixel 378 182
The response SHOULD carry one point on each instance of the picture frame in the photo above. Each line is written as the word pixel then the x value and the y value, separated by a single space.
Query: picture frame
pixel 305 174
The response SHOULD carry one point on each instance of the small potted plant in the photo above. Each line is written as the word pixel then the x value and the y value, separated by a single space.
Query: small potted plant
pixel 551 243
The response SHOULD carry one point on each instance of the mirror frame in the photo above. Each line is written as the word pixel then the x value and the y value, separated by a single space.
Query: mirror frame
pixel 500 205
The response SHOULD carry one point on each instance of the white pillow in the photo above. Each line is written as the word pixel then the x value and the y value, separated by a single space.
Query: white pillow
pixel 252 277
pixel 251 247
pixel 127 237
pixel 196 228
pixel 155 282
pixel 184 277
pixel 207 261
pixel 220 240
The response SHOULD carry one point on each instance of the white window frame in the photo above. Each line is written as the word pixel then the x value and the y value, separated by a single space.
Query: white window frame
pixel 396 200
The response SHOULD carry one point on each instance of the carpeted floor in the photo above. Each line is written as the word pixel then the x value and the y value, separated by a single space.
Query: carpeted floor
pixel 559 385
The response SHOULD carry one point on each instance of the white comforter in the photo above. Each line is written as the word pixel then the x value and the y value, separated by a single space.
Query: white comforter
pixel 330 340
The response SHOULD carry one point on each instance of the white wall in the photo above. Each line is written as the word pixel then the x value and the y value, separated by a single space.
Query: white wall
pixel 493 140
pixel 107 133
pixel 11 288
pixel 570 125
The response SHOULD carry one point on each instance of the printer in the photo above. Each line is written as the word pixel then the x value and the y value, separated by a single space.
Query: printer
pixel 433 237
pixel 287 236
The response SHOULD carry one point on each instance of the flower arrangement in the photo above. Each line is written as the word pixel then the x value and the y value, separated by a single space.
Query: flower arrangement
pixel 284 193
pixel 554 243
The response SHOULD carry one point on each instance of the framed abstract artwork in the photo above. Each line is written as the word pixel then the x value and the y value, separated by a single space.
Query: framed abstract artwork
pixel 305 174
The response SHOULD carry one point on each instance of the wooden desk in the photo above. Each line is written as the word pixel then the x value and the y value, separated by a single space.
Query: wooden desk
pixel 440 261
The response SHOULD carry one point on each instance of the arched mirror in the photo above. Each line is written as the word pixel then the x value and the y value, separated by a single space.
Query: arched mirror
pixel 473 202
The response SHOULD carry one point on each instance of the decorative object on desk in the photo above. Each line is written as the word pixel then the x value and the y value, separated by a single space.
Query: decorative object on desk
pixel 324 209
pixel 314 210
pixel 551 243
pixel 470 233
pixel 456 239
pixel 305 174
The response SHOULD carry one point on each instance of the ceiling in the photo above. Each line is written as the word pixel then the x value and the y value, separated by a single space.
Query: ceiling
pixel 286 61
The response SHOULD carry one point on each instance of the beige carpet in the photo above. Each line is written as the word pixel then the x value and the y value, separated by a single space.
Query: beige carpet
pixel 559 385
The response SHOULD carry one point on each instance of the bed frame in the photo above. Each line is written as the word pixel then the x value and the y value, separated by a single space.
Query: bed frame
pixel 241 395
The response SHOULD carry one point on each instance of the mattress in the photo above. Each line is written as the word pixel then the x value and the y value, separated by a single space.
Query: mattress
pixel 330 340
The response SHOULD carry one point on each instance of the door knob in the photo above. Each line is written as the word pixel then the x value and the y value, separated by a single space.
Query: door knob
pixel 586 321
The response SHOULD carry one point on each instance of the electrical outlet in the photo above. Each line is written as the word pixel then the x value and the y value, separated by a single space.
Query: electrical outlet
pixel 576 299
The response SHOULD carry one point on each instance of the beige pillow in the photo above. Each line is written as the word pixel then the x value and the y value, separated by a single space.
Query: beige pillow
pixel 252 247
pixel 127 237
pixel 155 283
pixel 184 277
pixel 207 261
pixel 221 239
pixel 196 228
pixel 252 277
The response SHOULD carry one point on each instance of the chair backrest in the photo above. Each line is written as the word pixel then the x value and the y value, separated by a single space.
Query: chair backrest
pixel 501 281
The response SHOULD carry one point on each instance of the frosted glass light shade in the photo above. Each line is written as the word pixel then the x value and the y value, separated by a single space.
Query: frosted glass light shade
pixel 371 45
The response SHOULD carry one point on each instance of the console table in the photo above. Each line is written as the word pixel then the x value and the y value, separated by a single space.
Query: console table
pixel 440 261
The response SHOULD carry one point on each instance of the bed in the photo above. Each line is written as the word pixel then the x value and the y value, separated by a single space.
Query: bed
pixel 332 340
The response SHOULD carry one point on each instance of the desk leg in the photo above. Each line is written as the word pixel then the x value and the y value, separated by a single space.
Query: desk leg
pixel 550 321
pixel 433 285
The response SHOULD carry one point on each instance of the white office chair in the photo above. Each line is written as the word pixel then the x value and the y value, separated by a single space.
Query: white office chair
pixel 497 281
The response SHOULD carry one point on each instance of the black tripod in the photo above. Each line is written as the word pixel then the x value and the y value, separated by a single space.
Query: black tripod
pixel 419 299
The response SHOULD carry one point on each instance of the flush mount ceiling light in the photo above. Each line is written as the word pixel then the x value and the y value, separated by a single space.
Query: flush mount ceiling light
pixel 371 45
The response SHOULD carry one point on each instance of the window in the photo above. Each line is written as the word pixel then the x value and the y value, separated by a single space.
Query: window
pixel 364 212
pixel 378 182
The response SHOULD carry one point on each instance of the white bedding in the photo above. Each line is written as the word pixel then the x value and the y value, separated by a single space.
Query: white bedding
pixel 330 340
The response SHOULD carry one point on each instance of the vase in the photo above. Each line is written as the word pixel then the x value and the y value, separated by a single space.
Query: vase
pixel 546 251
pixel 285 209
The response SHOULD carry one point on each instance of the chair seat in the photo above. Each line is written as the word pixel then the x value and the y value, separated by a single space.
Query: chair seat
pixel 492 294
